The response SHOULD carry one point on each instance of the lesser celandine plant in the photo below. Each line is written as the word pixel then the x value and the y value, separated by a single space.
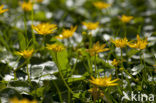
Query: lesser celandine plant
pixel 120 43
pixel 126 19
pixel 45 28
pixel 101 5
pixel 67 33
pixel 75 60
pixel 56 48
pixel 91 25
pixel 101 82
pixel 16 100
pixel 27 54
pixel 2 10
pixel 139 44
pixel 115 62
pixel 27 6
pixel 95 50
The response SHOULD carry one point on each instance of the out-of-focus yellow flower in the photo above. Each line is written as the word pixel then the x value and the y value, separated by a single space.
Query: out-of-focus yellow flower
pixel 139 44
pixel 104 82
pixel 126 19
pixel 97 48
pixel 55 47
pixel 27 6
pixel 45 28
pixel 91 25
pixel 25 53
pixel 101 5
pixel 121 43
pixel 115 62
pixel 67 33
pixel 16 100
pixel 2 10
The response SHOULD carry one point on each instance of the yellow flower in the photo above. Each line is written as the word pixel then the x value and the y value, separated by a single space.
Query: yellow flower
pixel 101 5
pixel 55 47
pixel 139 44
pixel 44 28
pixel 97 48
pixel 25 53
pixel 91 25
pixel 126 19
pixel 67 33
pixel 16 100
pixel 2 10
pixel 121 43
pixel 27 6
pixel 115 62
pixel 104 82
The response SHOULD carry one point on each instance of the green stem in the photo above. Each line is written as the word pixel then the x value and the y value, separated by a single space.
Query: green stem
pixel 90 65
pixel 129 75
pixel 121 58
pixel 15 77
pixel 116 72
pixel 58 90
pixel 28 73
pixel 62 75
pixel 74 67
pixel 90 41
pixel 143 62
pixel 122 65
pixel 141 58
pixel 96 72
pixel 44 38
pixel 33 35
pixel 25 26
pixel 69 96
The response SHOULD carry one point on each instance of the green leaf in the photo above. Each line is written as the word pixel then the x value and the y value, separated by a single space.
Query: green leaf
pixel 62 58
pixel 77 95
pixel 19 84
pixel 36 71
pixel 4 69
pixel 38 92
pixel 9 92
pixel 2 86
pixel 22 41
